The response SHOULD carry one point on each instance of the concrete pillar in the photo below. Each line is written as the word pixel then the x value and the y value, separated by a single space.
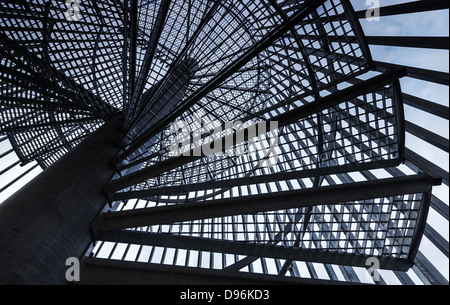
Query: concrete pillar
pixel 49 219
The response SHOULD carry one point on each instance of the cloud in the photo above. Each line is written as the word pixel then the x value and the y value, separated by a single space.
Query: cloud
pixel 434 23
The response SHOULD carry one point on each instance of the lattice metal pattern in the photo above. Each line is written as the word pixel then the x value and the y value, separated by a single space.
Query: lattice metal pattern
pixel 250 91
pixel 263 82
pixel 74 80
pixel 362 130
pixel 217 41
pixel 382 227
pixel 61 78
pixel 378 227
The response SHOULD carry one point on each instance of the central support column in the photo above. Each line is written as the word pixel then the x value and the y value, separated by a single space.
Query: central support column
pixel 158 102
pixel 49 219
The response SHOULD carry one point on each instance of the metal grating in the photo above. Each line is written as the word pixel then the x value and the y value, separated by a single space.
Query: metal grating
pixel 284 61
pixel 377 227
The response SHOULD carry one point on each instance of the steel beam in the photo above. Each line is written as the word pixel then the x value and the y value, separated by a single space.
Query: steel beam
pixel 429 270
pixel 164 100
pixel 300 44
pixel 440 207
pixel 427 42
pixel 125 93
pixel 282 119
pixel 248 249
pixel 148 59
pixel 410 41
pixel 162 84
pixel 258 47
pixel 229 183
pixel 428 136
pixel 133 48
pixel 47 125
pixel 418 73
pixel 420 164
pixel 348 192
pixel 420 225
pixel 18 177
pixel 409 8
pixel 43 73
pixel 437 239
pixel 427 106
